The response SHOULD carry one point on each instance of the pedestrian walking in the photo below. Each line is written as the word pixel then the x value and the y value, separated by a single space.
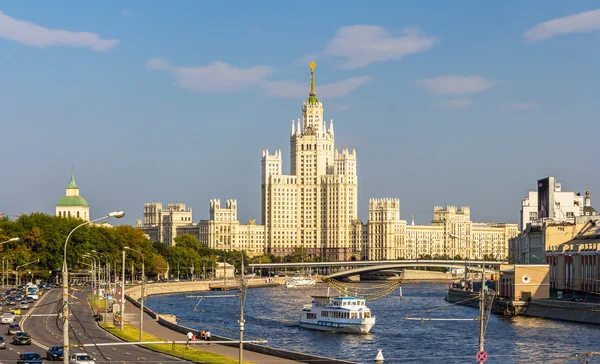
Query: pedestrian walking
pixel 207 335
pixel 189 338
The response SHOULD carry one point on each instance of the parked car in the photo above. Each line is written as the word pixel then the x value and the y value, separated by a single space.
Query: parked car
pixel 13 329
pixel 29 299
pixel 576 299
pixel 7 318
pixel 81 358
pixel 2 343
pixel 22 338
pixel 55 353
pixel 29 357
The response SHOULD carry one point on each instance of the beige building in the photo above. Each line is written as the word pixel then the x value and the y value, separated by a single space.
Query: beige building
pixel 73 205
pixel 389 237
pixel 163 224
pixel 575 264
pixel 315 206
pixel 523 282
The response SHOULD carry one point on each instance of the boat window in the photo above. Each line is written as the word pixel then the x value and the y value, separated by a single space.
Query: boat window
pixel 354 315
pixel 367 314
pixel 324 313
pixel 353 303
pixel 311 316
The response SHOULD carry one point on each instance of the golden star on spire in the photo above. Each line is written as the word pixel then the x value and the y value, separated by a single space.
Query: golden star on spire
pixel 312 65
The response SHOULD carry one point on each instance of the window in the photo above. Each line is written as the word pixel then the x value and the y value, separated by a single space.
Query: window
pixel 570 215
pixel 533 216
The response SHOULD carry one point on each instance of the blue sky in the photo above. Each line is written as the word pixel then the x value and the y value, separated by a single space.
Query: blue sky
pixel 446 103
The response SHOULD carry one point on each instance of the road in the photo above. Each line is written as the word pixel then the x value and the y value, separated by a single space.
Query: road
pixel 46 331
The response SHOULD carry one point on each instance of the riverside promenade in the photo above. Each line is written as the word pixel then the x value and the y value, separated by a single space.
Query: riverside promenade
pixel 163 326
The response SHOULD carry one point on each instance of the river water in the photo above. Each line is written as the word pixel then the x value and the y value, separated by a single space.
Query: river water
pixel 272 314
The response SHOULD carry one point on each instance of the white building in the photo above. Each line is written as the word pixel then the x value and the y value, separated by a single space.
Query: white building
pixel 555 204
pixel 316 204
pixel 161 225
pixel 71 204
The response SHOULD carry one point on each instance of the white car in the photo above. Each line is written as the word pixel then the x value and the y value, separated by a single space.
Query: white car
pixel 81 358
pixel 7 318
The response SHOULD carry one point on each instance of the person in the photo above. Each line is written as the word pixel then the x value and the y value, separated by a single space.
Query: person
pixel 189 338
pixel 207 335
pixel 203 335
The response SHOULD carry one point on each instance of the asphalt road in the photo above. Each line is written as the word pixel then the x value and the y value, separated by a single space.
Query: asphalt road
pixel 46 331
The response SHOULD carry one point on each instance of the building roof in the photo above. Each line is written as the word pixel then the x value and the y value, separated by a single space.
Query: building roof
pixel 72 201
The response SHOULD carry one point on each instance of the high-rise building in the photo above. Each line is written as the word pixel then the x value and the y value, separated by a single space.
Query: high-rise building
pixel 71 204
pixel 314 207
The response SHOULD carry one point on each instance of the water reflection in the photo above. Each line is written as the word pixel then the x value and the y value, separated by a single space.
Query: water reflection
pixel 272 314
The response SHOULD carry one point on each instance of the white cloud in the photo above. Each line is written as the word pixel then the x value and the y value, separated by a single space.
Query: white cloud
pixel 290 89
pixel 31 34
pixel 219 77
pixel 457 103
pixel 455 85
pixel 159 63
pixel 522 106
pixel 578 23
pixel 222 77
pixel 361 45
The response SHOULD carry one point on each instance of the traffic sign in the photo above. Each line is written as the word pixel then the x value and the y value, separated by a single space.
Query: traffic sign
pixel 481 356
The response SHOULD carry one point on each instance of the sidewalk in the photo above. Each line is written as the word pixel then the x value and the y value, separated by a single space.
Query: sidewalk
pixel 132 317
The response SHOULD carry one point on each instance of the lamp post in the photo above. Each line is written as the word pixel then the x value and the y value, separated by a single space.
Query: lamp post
pixel 93 265
pixel 4 269
pixel 21 266
pixel 96 280
pixel 65 283
pixel 142 293
pixel 107 272
pixel 242 299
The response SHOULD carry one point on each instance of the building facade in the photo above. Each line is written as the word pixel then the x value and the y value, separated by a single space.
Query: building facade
pixel 315 206
pixel 72 204
pixel 451 234
pixel 162 224
pixel 550 202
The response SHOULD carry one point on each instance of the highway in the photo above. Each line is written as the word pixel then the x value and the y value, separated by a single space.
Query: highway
pixel 46 331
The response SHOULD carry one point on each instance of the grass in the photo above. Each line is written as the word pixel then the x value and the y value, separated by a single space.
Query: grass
pixel 131 333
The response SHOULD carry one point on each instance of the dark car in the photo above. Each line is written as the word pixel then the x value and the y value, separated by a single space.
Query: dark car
pixel 55 353
pixel 11 301
pixel 29 357
pixel 2 343
pixel 29 299
pixel 576 299
pixel 22 338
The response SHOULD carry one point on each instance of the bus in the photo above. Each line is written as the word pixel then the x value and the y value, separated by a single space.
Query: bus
pixel 33 292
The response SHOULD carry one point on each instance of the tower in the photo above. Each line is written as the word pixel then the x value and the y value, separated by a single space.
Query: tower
pixel 314 207
pixel 71 204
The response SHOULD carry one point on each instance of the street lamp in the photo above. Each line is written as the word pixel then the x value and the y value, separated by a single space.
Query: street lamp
pixel 242 299
pixel 142 293
pixel 65 282
pixel 107 271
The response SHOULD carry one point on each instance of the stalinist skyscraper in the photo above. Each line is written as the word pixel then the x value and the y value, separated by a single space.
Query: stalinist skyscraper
pixel 313 207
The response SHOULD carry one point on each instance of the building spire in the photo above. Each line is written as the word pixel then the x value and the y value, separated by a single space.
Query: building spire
pixel 312 96
pixel 72 181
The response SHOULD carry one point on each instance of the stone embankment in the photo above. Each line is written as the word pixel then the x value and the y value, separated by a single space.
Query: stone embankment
pixel 199 286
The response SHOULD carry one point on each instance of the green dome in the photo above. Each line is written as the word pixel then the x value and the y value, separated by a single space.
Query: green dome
pixel 72 201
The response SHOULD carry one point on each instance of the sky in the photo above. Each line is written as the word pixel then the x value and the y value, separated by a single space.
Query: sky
pixel 446 103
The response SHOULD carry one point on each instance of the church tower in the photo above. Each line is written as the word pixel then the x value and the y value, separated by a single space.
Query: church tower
pixel 73 205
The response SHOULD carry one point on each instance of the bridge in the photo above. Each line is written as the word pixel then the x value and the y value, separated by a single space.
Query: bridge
pixel 347 269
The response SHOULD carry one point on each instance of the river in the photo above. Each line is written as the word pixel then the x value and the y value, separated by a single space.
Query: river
pixel 272 313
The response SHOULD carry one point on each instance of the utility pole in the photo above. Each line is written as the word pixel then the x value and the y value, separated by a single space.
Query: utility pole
pixel 482 309
pixel 123 292
pixel 242 299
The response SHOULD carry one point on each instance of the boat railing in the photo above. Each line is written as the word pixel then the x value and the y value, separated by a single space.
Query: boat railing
pixel 307 307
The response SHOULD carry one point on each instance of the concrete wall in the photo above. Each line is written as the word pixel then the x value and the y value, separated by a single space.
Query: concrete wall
pixel 564 311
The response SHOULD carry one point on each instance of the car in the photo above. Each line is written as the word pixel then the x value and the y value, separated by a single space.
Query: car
pixel 81 358
pixel 22 338
pixel 2 343
pixel 576 299
pixel 16 311
pixel 29 299
pixel 13 329
pixel 7 318
pixel 11 301
pixel 29 357
pixel 55 353
pixel 24 305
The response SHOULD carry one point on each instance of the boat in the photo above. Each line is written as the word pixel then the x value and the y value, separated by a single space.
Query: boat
pixel 337 314
pixel 300 282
